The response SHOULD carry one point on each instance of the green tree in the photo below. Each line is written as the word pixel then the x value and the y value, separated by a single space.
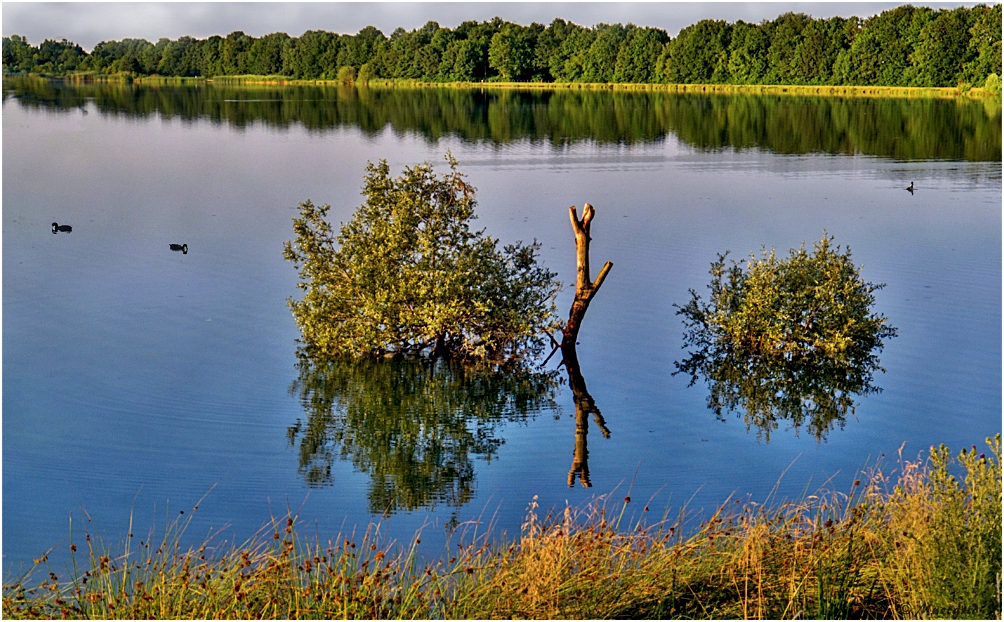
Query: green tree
pixel 265 56
pixel 786 339
pixel 18 55
pixel 129 55
pixel 984 53
pixel 180 58
pixel 347 75
pixel 358 49
pixel 549 42
pixel 698 55
pixel 941 49
pixel 601 59
pixel 993 85
pixel 460 61
pixel 880 54
pixel 568 63
pixel 747 60
pixel 638 55
pixel 822 42
pixel 511 52
pixel 407 277
pixel 786 35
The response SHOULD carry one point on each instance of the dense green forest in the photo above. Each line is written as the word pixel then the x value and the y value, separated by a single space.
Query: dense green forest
pixel 905 46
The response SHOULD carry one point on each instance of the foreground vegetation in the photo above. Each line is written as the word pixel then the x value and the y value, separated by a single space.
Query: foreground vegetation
pixel 904 46
pixel 922 544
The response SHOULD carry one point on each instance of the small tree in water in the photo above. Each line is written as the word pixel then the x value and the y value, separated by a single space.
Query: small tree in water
pixel 790 339
pixel 407 277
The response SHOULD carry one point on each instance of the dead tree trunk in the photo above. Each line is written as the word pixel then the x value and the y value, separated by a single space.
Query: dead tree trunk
pixel 585 287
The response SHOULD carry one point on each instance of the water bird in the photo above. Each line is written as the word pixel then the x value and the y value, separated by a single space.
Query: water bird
pixel 56 227
pixel 180 247
pixel 910 188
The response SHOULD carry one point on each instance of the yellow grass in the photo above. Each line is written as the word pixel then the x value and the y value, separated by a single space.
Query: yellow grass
pixel 920 544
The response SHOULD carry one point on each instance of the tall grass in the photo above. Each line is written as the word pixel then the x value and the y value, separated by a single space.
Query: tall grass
pixel 749 89
pixel 921 544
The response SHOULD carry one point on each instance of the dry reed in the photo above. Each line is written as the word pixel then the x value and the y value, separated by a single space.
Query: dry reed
pixel 921 544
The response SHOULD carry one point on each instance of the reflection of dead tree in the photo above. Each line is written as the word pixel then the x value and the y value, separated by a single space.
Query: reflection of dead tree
pixel 585 289
pixel 584 405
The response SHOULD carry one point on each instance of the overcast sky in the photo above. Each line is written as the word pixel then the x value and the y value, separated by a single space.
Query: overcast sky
pixel 88 23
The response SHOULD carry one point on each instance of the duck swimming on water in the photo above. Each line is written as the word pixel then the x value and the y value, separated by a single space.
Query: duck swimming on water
pixel 909 188
pixel 180 247
pixel 56 227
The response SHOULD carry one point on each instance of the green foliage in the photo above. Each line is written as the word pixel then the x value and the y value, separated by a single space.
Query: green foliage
pixel 747 62
pixel 407 277
pixel 511 52
pixel 786 36
pixel 993 84
pixel 415 427
pixel 983 55
pixel 637 58
pixel 347 75
pixel 963 543
pixel 50 58
pixel 905 46
pixel 17 55
pixel 941 49
pixel 786 339
pixel 698 55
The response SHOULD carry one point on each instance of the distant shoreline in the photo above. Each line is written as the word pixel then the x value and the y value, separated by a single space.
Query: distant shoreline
pixel 715 89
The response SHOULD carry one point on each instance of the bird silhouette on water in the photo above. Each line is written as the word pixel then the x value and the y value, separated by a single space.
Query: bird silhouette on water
pixel 56 228
pixel 909 188
pixel 180 247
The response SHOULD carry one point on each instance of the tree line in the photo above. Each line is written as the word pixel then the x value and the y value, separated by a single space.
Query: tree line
pixel 905 46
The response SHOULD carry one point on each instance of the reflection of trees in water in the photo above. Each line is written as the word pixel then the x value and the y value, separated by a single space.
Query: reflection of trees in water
pixel 806 391
pixel 413 427
pixel 954 129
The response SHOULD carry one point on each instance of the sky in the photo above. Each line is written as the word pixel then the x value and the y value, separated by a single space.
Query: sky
pixel 88 23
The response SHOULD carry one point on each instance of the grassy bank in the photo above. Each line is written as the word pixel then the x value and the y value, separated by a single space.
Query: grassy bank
pixel 748 89
pixel 918 544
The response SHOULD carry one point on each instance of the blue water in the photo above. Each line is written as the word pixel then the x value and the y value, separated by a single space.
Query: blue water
pixel 136 378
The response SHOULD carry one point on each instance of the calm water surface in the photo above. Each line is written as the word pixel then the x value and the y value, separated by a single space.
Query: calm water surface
pixel 136 379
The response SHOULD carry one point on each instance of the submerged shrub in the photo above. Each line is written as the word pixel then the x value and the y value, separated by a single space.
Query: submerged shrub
pixel 993 84
pixel 347 74
pixel 408 277
pixel 789 338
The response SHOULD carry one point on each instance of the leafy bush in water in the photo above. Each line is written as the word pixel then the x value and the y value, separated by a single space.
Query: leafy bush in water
pixel 408 277
pixel 993 84
pixel 347 74
pixel 789 338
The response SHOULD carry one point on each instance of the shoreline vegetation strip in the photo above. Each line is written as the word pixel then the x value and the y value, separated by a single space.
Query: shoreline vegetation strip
pixel 923 541
pixel 719 89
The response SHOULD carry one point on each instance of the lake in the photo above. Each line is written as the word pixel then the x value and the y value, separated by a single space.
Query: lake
pixel 138 379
